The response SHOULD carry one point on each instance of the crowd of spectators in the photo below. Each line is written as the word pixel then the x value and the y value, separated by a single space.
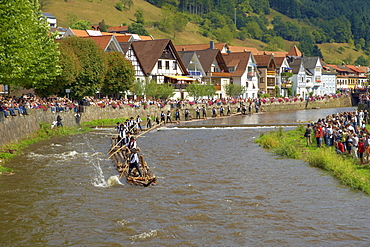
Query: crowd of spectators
pixel 346 131
pixel 13 106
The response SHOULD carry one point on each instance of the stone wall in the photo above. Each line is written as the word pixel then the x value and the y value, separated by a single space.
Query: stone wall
pixel 14 128
pixel 326 103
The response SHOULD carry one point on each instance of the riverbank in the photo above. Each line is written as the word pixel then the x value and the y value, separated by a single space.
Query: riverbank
pixel 12 149
pixel 292 144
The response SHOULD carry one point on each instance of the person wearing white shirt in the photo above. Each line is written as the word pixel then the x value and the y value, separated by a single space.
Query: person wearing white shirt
pixel 134 162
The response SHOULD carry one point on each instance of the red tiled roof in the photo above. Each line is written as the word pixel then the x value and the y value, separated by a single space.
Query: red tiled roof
pixel 355 68
pixel 262 60
pixel 102 41
pixel 123 38
pixel 255 51
pixel 149 51
pixel 80 33
pixel 295 52
pixel 199 47
pixel 241 57
pixel 118 29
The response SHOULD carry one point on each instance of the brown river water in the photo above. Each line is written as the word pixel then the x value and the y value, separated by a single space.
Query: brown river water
pixel 216 187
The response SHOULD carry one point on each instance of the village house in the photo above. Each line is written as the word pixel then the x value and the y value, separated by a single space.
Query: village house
pixel 158 60
pixel 243 69
pixel 307 76
pixel 360 75
pixel 343 77
pixel 267 74
pixel 329 79
pixel 283 75
pixel 300 84
pixel 212 68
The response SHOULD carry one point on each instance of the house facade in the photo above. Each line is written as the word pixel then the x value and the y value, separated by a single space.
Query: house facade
pixel 243 69
pixel 283 78
pixel 158 60
pixel 301 85
pixel 267 74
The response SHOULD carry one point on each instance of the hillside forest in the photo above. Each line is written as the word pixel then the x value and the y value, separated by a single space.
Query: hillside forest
pixel 308 23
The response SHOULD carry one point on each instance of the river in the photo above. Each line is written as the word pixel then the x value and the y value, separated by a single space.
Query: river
pixel 216 187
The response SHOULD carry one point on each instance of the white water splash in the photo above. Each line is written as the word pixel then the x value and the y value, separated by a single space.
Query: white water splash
pixel 145 235
pixel 63 156
pixel 98 179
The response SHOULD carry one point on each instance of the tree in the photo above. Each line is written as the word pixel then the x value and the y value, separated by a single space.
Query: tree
pixel 195 90
pixel 362 61
pixel 70 69
pixel 120 74
pixel 81 25
pixel 209 90
pixel 138 28
pixel 139 15
pixel 28 54
pixel 179 23
pixel 93 64
pixel 127 4
pixel 235 90
pixel 138 89
pixel 158 91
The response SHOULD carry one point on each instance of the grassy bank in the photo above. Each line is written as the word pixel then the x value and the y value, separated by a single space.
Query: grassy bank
pixel 292 144
pixel 10 150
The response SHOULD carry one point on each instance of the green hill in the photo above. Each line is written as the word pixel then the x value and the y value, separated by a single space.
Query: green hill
pixel 94 11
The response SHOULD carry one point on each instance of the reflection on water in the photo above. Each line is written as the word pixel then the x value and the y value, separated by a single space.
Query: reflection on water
pixel 216 187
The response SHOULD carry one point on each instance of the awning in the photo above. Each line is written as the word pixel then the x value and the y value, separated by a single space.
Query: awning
pixel 181 78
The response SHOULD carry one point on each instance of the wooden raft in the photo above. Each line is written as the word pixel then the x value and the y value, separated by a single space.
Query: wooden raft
pixel 120 157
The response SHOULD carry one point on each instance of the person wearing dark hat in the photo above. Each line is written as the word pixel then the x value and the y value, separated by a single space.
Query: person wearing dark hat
pixel 134 162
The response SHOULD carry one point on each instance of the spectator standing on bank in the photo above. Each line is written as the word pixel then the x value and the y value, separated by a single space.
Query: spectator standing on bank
pixel 307 134
pixel 361 151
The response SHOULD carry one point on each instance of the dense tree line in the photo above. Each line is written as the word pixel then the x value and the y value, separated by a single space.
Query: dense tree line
pixel 328 20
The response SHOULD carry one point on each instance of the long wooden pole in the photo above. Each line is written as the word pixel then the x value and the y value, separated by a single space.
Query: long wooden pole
pixel 136 137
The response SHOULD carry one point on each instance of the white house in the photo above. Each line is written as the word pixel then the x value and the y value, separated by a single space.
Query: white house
pixel 243 69
pixel 52 20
